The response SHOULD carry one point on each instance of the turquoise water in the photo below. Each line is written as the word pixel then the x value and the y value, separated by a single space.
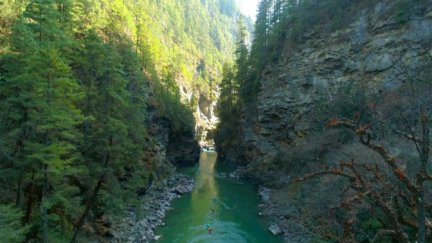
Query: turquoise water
pixel 227 206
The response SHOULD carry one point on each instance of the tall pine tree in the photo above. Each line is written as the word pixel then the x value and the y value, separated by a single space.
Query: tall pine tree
pixel 241 61
pixel 41 100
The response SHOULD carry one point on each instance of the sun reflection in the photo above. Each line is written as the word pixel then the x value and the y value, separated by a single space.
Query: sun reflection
pixel 206 192
pixel 218 202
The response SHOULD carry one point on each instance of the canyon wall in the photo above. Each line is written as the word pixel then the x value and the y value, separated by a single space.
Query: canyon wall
pixel 283 135
pixel 376 51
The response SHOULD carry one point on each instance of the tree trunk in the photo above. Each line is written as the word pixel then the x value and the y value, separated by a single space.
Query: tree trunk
pixel 18 193
pixel 44 208
pixel 424 159
pixel 421 216
pixel 92 200
pixel 90 204
pixel 29 201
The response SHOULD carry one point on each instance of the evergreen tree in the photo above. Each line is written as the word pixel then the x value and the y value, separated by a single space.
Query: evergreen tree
pixel 10 224
pixel 241 61
pixel 260 44
pixel 44 23
pixel 229 107
pixel 40 129
pixel 114 110
pixel 228 97
pixel 235 91
pixel 279 22
pixel 53 118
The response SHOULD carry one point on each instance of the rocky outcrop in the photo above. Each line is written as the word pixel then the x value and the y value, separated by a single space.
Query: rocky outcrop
pixel 179 148
pixel 206 120
pixel 156 203
pixel 205 112
pixel 183 149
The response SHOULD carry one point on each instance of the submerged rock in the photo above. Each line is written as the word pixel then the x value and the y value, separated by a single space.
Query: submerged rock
pixel 234 175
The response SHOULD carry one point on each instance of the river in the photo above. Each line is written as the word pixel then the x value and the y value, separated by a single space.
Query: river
pixel 227 206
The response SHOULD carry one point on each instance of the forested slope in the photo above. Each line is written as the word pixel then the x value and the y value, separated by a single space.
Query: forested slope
pixel 92 95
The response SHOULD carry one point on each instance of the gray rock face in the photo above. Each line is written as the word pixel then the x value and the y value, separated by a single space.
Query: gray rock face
pixel 183 149
pixel 206 120
pixel 378 62
pixel 177 147
pixel 371 51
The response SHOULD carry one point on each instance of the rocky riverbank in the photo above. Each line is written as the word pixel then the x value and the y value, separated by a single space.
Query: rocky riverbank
pixel 275 206
pixel 282 216
pixel 156 202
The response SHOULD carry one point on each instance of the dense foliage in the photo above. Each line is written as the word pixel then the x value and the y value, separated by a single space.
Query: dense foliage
pixel 76 82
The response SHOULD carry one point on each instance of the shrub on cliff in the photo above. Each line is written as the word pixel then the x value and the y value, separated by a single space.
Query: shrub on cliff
pixel 393 188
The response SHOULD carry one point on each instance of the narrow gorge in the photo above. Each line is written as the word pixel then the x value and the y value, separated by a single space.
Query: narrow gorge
pixel 300 121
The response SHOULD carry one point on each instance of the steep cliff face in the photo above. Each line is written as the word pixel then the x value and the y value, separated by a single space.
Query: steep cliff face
pixel 204 112
pixel 179 148
pixel 206 120
pixel 375 50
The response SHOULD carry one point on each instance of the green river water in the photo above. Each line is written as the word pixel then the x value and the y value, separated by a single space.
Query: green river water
pixel 226 205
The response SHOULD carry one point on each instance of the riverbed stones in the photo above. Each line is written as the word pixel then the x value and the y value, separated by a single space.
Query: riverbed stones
pixel 156 202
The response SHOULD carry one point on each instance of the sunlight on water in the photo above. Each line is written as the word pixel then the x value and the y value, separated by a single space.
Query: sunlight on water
pixel 227 206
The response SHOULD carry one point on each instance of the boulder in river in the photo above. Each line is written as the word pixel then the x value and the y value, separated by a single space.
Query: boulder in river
pixel 265 193
pixel 234 175
pixel 181 189
pixel 275 229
